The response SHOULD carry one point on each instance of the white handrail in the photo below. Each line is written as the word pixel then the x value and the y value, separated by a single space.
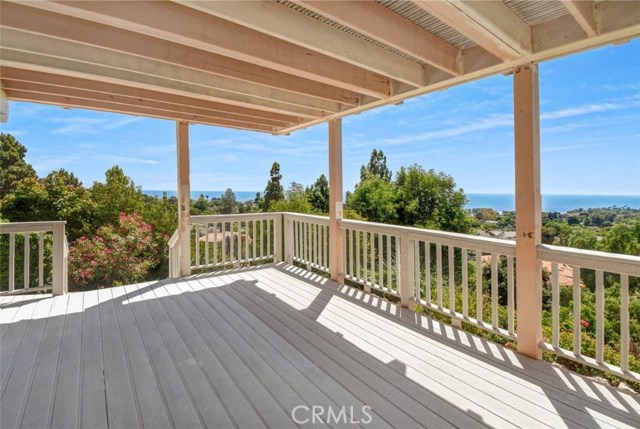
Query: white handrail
pixel 57 259
pixel 610 262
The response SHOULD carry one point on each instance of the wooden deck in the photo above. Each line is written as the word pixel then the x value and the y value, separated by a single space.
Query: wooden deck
pixel 245 348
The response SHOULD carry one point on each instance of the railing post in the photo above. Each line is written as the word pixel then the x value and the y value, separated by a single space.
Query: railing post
pixel 336 235
pixel 406 269
pixel 528 209
pixel 184 199
pixel 288 239
pixel 58 283
pixel 277 238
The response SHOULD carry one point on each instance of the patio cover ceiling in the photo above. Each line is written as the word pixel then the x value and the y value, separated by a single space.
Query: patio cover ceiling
pixel 281 66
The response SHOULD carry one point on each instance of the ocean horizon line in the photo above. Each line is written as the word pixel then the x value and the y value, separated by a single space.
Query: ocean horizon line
pixel 497 201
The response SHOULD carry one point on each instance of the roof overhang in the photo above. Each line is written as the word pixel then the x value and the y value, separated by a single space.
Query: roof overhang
pixel 281 66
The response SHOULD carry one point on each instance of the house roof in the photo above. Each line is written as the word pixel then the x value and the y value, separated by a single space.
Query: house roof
pixel 281 66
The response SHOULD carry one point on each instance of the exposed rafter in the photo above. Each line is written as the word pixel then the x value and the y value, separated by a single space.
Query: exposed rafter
pixel 65 101
pixel 68 28
pixel 583 11
pixel 179 103
pixel 380 23
pixel 190 27
pixel 491 24
pixel 286 24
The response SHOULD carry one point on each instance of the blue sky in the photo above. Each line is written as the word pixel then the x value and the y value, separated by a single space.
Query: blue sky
pixel 590 141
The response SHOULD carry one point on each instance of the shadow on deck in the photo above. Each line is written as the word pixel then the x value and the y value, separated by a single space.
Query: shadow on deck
pixel 260 347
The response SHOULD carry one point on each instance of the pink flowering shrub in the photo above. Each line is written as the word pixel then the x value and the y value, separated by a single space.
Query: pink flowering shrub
pixel 115 256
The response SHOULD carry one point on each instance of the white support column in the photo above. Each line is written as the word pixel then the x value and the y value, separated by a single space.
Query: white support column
pixel 336 249
pixel 528 209
pixel 184 198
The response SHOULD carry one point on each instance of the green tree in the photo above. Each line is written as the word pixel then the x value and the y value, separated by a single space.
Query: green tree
pixel 375 199
pixel 13 167
pixel 274 190
pixel 431 200
pixel 118 194
pixel 582 238
pixel 318 194
pixel 296 201
pixel 200 206
pixel 258 201
pixel 377 167
pixel 623 237
pixel 228 202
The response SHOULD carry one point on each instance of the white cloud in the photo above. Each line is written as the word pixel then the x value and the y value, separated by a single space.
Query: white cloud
pixel 130 160
pixel 78 125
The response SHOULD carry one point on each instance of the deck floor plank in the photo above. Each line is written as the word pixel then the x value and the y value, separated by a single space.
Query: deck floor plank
pixel 414 349
pixel 177 397
pixel 150 402
pixel 20 372
pixel 242 348
pixel 41 391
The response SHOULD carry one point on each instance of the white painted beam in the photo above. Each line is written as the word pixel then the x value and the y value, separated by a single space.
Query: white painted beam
pixel 382 24
pixel 528 209
pixel 190 27
pixel 11 75
pixel 4 104
pixel 583 11
pixel 489 23
pixel 68 28
pixel 287 24
pixel 105 106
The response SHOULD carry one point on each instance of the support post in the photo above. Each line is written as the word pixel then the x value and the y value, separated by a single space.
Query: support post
pixel 58 282
pixel 336 248
pixel 288 239
pixel 184 199
pixel 528 209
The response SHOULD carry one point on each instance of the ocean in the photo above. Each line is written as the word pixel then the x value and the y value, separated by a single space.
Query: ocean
pixel 500 202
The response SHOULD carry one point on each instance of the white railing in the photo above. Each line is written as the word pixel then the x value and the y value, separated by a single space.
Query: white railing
pixel 307 240
pixel 598 273
pixel 43 250
pixel 372 255
pixel 232 240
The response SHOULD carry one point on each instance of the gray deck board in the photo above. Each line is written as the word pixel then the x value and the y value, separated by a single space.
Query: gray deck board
pixel 243 348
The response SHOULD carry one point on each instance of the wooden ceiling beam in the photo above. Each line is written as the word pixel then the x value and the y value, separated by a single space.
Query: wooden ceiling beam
pixel 67 102
pixel 187 26
pixel 284 23
pixel 56 48
pixel 382 24
pixel 489 23
pixel 180 102
pixel 583 11
pixel 38 21
pixel 161 106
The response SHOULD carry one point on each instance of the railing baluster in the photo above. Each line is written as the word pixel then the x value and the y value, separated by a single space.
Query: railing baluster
pixel 253 240
pixel 452 278
pixel 494 290
pixel 599 316
pixel 316 230
pixel 465 283
pixel 358 255
pixel 555 305
pixel 510 296
pixel 196 229
pixel 365 263
pixel 398 256
pixel 380 265
pixel 246 241
pixel 224 243
pixel 577 310
pixel 439 273
pixel 12 261
pixel 624 322
pixel 479 286
pixel 27 257
pixel 215 243
pixel 389 266
pixel 427 271
pixel 372 262
pixel 325 244
pixel 206 244
pixel 40 259
pixel 416 268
